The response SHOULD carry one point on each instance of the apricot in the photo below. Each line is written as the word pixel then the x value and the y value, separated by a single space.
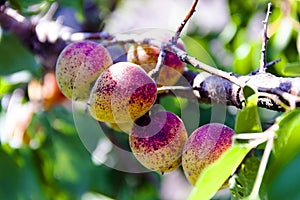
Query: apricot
pixel 45 92
pixel 122 93
pixel 50 92
pixel 158 144
pixel 78 66
pixel 146 56
pixel 205 145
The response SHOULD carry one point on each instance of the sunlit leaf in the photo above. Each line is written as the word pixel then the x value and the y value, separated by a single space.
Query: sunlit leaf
pixel 283 35
pixel 247 119
pixel 292 69
pixel 288 136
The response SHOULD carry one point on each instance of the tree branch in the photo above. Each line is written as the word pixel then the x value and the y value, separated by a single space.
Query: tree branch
pixel 277 93
pixel 25 30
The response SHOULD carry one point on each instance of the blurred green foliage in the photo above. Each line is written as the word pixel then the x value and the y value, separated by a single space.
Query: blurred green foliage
pixel 52 162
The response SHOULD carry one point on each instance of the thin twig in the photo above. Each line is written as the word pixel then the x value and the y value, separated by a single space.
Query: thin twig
pixel 183 23
pixel 263 59
pixel 249 136
pixel 173 88
pixel 202 66
pixel 273 62
pixel 160 62
pixel 254 139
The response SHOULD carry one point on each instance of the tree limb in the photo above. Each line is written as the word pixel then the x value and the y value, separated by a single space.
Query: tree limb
pixel 277 93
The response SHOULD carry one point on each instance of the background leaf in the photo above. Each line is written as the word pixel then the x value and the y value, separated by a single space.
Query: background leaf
pixel 14 56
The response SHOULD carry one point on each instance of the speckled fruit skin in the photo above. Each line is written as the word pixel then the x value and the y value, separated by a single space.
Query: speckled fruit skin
pixel 78 66
pixel 122 93
pixel 158 145
pixel 205 145
pixel 146 56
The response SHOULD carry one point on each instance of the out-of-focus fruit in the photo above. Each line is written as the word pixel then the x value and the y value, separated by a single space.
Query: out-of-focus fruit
pixel 146 56
pixel 46 92
pixel 51 94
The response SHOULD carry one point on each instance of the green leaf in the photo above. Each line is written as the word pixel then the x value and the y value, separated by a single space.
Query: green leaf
pixel 215 175
pixel 286 146
pixel 286 182
pixel 196 47
pixel 5 87
pixel 245 177
pixel 27 3
pixel 20 178
pixel 14 57
pixel 248 119
pixel 248 92
pixel 288 137
pixel 171 104
pixel 292 69
pixel 283 35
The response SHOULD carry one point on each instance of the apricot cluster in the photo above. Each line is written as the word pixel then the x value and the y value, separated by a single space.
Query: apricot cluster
pixel 122 95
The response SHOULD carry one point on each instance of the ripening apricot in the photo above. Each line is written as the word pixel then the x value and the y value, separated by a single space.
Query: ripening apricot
pixel 122 93
pixel 158 143
pixel 78 66
pixel 205 145
pixel 146 56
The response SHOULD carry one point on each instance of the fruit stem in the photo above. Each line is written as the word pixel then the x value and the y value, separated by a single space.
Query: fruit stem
pixel 160 62
pixel 263 164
